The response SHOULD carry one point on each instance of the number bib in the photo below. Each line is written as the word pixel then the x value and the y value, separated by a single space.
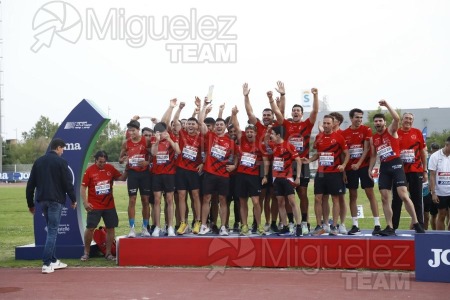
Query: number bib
pixel 218 152
pixel 385 151
pixel 248 159
pixel 297 142
pixel 162 158
pixel 190 153
pixel 102 188
pixel 278 164
pixel 407 156
pixel 136 159
pixel 326 159
pixel 355 151
pixel 443 178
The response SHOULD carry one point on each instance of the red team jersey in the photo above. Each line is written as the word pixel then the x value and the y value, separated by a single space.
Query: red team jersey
pixel 164 160
pixel 386 146
pixel 411 144
pixel 284 155
pixel 191 151
pixel 299 134
pixel 137 152
pixel 100 185
pixel 250 156
pixel 355 139
pixel 218 151
pixel 329 147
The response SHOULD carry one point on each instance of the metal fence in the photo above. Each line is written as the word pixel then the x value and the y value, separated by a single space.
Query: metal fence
pixel 17 168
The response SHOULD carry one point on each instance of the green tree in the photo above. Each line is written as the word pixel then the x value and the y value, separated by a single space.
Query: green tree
pixel 112 147
pixel 26 152
pixel 438 138
pixel 35 142
pixel 110 140
pixel 113 129
pixel 43 128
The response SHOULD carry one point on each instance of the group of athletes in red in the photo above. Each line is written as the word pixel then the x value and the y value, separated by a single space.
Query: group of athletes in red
pixel 214 162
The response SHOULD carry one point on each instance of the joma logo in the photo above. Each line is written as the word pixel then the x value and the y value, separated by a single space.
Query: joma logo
pixel 72 146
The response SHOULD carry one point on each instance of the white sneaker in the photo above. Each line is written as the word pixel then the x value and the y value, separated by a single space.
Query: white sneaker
pixel 223 230
pixel 170 231
pixel 58 265
pixel 204 230
pixel 291 228
pixel 132 233
pixel 47 269
pixel 342 229
pixel 156 231
pixel 305 230
pixel 326 227
pixel 145 232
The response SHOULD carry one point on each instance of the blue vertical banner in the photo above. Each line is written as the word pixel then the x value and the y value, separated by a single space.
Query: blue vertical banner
pixel 80 131
pixel 425 133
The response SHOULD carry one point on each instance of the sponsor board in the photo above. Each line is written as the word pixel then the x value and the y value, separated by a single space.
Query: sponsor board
pixel 432 252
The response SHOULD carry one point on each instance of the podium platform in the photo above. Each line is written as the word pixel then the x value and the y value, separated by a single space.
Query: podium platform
pixel 272 251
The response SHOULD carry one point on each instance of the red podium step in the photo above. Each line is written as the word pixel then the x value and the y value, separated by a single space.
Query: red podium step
pixel 340 252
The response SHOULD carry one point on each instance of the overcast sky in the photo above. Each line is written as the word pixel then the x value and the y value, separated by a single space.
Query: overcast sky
pixel 355 52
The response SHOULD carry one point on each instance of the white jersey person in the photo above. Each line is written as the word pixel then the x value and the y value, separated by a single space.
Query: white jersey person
pixel 439 166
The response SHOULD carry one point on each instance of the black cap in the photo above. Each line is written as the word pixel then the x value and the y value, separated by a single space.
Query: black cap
pixel 134 123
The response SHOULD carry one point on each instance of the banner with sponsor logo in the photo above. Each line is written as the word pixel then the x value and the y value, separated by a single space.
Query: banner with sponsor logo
pixel 80 131
pixel 14 176
pixel 432 252
pixel 307 100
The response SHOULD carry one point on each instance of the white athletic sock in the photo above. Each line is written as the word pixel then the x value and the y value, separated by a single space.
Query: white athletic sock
pixel 377 221
pixel 355 221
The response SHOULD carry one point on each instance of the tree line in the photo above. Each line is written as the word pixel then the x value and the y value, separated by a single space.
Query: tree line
pixel 35 142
